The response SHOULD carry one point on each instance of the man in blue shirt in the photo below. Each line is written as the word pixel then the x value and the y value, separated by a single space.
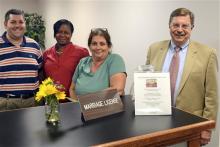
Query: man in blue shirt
pixel 20 63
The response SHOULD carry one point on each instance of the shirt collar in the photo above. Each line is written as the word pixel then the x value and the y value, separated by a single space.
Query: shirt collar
pixel 183 47
pixel 67 45
pixel 4 37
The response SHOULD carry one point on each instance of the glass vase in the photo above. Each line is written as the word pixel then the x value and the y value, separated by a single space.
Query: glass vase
pixel 52 110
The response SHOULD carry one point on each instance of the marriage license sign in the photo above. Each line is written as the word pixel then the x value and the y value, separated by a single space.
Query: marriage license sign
pixel 100 104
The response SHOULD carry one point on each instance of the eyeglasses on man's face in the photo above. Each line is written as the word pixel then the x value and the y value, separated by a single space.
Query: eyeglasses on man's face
pixel 178 26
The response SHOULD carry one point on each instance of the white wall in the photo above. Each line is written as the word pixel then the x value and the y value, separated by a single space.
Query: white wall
pixel 218 120
pixel 26 5
pixel 133 24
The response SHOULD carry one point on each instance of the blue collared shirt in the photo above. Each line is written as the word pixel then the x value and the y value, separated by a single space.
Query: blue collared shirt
pixel 166 65
pixel 19 66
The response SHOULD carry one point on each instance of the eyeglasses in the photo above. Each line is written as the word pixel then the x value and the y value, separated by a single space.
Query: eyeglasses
pixel 99 29
pixel 102 32
pixel 183 26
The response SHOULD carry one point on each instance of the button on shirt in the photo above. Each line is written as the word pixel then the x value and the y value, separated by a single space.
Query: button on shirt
pixel 182 56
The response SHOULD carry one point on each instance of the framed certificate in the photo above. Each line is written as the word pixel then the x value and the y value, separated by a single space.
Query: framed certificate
pixel 152 93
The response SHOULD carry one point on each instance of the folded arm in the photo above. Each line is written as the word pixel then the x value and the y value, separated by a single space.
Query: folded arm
pixel 117 81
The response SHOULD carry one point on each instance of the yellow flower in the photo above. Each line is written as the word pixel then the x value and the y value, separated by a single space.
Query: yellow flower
pixel 48 88
pixel 60 95
pixel 39 95
pixel 47 81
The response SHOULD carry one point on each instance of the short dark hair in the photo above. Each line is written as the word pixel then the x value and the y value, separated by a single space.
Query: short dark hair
pixel 182 12
pixel 61 22
pixel 100 32
pixel 14 12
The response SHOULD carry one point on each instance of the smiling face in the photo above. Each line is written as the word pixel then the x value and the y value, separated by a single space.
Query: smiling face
pixel 99 48
pixel 180 29
pixel 15 26
pixel 63 36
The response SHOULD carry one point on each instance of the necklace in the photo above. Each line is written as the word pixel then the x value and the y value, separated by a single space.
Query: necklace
pixel 59 52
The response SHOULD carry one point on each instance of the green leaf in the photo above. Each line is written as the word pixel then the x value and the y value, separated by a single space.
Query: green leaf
pixel 35 28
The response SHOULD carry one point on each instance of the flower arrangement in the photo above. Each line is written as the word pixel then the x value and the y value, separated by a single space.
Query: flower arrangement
pixel 51 93
pixel 49 89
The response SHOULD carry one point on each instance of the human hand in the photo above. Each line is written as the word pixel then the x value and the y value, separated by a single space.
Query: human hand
pixel 205 137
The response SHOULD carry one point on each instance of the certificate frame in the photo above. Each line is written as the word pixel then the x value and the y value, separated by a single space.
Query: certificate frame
pixel 152 93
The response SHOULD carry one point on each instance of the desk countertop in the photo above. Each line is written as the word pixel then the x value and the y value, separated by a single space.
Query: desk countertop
pixel 27 127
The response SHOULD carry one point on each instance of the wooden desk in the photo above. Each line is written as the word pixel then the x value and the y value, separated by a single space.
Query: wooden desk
pixel 27 128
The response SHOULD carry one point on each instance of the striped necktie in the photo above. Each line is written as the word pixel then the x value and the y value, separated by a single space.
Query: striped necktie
pixel 174 67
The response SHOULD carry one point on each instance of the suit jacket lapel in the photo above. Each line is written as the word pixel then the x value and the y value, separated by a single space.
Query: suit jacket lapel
pixel 189 61
pixel 161 56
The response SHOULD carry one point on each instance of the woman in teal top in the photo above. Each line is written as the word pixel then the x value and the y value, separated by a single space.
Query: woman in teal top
pixel 102 70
